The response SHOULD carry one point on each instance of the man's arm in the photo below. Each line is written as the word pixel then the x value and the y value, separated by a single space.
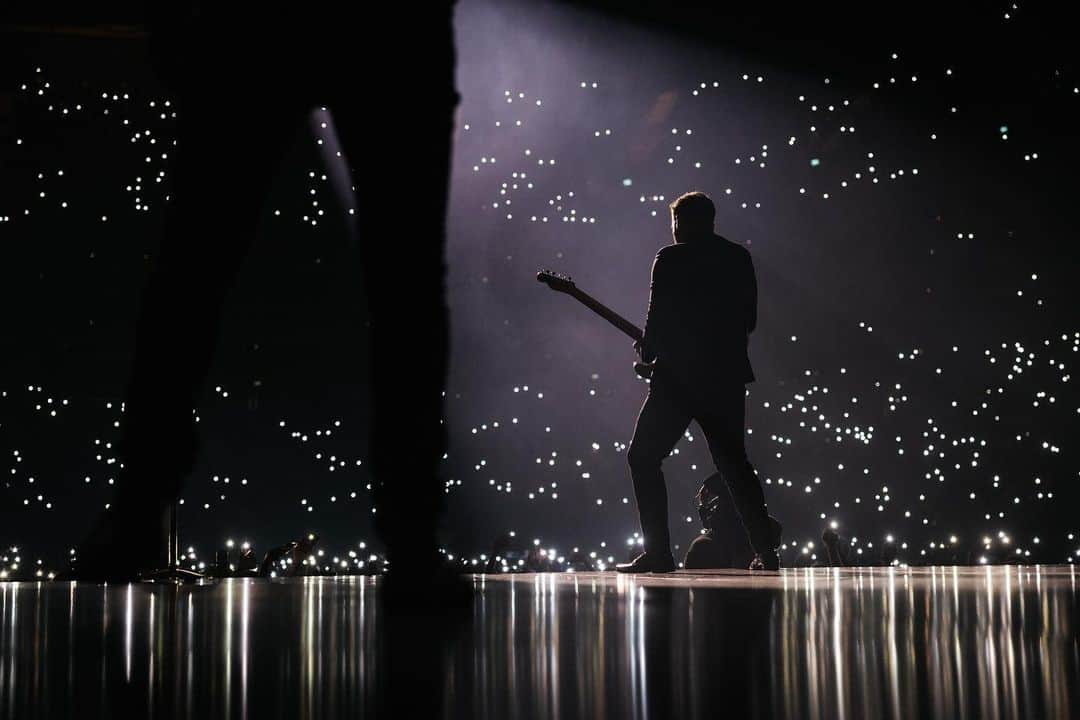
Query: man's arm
pixel 658 299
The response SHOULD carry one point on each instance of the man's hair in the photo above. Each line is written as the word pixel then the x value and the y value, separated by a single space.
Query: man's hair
pixel 694 208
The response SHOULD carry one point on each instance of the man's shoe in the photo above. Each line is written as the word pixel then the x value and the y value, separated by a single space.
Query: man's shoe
pixel 443 592
pixel 120 547
pixel 768 560
pixel 648 562
pixel 102 572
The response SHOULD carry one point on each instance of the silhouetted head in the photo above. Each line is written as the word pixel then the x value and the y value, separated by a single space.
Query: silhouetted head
pixel 692 216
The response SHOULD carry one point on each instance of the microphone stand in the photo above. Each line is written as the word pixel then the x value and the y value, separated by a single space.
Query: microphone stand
pixel 172 572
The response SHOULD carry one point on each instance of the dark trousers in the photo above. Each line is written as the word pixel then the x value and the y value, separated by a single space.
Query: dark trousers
pixel 663 419
pixel 230 139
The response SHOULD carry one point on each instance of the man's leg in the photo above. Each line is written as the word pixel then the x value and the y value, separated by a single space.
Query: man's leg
pixel 207 235
pixel 724 428
pixel 400 159
pixel 660 424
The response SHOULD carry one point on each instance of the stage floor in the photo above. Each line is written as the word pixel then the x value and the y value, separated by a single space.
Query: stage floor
pixel 990 642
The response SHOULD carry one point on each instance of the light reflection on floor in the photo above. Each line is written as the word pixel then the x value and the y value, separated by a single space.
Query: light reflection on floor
pixel 818 644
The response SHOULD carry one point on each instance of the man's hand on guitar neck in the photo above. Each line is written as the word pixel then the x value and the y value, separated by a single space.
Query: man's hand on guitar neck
pixel 644 370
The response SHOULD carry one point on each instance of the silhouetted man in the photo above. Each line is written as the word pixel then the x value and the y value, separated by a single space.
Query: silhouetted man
pixel 244 82
pixel 702 308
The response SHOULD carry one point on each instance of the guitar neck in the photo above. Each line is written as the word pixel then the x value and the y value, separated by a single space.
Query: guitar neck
pixel 627 327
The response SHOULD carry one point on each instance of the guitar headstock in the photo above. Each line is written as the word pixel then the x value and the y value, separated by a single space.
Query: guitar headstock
pixel 556 281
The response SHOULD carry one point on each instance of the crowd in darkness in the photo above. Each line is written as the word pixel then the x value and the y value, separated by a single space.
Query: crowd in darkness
pixel 907 208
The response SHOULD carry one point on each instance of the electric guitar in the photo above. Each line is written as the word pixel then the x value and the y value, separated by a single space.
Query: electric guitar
pixel 563 284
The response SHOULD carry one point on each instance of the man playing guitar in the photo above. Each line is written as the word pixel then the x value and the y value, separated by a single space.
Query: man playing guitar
pixel 702 308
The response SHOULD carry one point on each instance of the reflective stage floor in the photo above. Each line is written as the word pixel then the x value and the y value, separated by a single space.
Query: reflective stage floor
pixel 995 642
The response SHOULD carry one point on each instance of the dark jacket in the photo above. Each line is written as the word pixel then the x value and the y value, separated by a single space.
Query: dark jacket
pixel 702 309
